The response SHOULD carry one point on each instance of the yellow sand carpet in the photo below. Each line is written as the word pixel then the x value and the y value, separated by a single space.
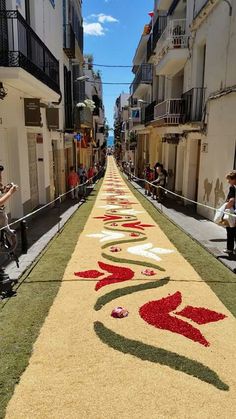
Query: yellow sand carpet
pixel 172 357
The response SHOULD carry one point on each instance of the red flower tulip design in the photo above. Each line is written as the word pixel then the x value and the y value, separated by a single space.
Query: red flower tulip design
pixel 160 315
pixel 109 218
pixel 137 224
pixel 118 274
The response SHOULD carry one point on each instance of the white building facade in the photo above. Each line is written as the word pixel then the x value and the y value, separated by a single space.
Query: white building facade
pixel 189 120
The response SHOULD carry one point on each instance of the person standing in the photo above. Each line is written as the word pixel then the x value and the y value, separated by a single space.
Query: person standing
pixel 231 231
pixel 73 182
pixel 90 174
pixel 160 181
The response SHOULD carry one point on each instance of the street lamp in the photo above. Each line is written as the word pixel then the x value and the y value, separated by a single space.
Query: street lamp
pixel 142 101
pixel 82 78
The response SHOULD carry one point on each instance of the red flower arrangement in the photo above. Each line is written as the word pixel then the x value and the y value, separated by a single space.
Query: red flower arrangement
pixel 119 313
pixel 148 272
pixel 158 314
pixel 138 225
pixel 109 217
pixel 134 234
pixel 115 249
pixel 118 274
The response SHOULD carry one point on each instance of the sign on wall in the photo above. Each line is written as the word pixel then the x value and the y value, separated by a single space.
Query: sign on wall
pixel 136 114
pixel 52 115
pixel 32 112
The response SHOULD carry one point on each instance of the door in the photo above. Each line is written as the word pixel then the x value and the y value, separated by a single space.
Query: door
pixel 33 173
pixel 198 168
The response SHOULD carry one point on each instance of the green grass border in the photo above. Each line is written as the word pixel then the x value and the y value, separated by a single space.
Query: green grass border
pixel 22 317
pixel 218 277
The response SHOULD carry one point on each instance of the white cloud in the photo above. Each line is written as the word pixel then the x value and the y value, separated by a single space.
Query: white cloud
pixel 94 29
pixel 97 28
pixel 106 18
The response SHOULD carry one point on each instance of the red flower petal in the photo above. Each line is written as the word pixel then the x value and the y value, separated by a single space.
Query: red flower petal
pixel 119 274
pixel 200 315
pixel 157 314
pixel 137 224
pixel 89 274
pixel 109 218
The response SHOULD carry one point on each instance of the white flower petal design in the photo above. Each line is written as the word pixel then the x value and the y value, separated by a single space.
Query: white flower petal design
pixel 147 250
pixel 107 235
pixel 110 206
pixel 123 196
pixel 131 212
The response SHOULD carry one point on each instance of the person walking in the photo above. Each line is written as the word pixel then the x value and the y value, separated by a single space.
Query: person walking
pixel 231 231
pixel 73 182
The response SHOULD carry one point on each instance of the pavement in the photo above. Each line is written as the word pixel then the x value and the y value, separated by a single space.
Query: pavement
pixel 211 236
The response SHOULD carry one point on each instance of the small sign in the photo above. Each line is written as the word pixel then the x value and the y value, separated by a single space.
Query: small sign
pixel 52 115
pixel 205 148
pixel 32 113
pixel 136 114
pixel 39 139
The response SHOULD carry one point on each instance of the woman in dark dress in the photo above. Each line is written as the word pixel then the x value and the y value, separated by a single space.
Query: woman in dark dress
pixel 231 231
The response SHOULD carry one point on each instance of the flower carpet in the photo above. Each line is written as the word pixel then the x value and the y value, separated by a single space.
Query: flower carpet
pixel 170 356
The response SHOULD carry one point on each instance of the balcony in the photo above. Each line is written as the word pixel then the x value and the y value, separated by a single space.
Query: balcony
pixel 149 112
pixel 24 54
pixel 158 29
pixel 143 78
pixel 187 109
pixel 69 41
pixel 193 104
pixel 169 112
pixel 163 4
pixel 172 48
pixel 85 118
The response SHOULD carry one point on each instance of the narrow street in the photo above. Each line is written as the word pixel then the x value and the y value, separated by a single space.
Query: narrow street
pixel 171 357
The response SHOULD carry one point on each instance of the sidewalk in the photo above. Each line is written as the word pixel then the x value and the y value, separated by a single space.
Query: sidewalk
pixel 40 231
pixel 211 236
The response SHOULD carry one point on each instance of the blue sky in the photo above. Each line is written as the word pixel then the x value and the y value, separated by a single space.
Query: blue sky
pixel 112 32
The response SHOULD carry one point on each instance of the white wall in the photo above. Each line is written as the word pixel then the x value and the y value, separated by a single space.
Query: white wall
pixel 221 140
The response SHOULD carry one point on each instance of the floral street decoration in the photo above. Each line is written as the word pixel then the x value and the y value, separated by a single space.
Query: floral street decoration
pixel 118 274
pixel 161 314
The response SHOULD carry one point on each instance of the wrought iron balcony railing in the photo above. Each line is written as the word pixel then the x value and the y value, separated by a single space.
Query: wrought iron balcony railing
pixel 69 41
pixel 144 75
pixel 193 104
pixel 21 47
pixel 169 112
pixel 174 36
pixel 149 112
pixel 158 30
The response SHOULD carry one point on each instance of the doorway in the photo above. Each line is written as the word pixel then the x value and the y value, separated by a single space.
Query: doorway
pixel 33 172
